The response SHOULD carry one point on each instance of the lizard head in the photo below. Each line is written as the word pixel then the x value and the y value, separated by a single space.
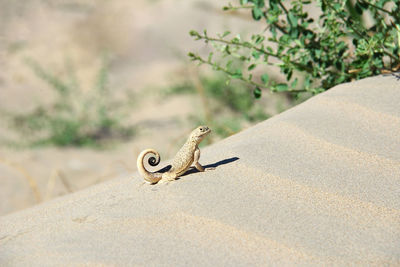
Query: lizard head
pixel 199 133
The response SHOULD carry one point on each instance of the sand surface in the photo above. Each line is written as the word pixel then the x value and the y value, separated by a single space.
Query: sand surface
pixel 318 184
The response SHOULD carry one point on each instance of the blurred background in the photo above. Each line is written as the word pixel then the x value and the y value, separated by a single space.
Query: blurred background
pixel 86 85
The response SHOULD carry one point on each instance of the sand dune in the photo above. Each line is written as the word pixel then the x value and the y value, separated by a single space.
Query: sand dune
pixel 316 185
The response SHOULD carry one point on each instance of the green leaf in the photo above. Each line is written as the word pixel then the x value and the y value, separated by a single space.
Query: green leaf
pixel 363 5
pixel 358 8
pixel 294 83
pixel 247 44
pixel 194 33
pixel 256 13
pixel 307 82
pixel 398 33
pixel 257 92
pixel 226 33
pixel 237 74
pixel 227 50
pixel 289 74
pixel 256 54
pixel 259 39
pixel 251 67
pixel 210 57
pixel 292 19
pixel 265 78
pixel 294 33
pixel 235 40
pixel 281 87
pixel 259 3
pixel 229 64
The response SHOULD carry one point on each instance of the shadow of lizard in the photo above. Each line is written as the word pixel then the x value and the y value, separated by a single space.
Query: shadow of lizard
pixel 194 170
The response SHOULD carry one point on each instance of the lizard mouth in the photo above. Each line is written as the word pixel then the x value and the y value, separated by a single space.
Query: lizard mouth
pixel 206 130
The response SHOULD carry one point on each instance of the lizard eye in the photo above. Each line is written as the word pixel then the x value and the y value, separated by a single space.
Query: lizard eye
pixel 201 128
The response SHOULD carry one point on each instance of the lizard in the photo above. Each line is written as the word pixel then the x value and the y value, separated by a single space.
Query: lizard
pixel 187 156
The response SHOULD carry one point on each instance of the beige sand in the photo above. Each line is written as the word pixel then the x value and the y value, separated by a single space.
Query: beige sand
pixel 318 184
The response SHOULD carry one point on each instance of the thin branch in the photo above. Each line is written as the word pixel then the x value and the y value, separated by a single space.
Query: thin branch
pixel 390 55
pixel 379 8
pixel 218 67
pixel 246 45
pixel 234 8
pixel 283 7
pixel 280 28
pixel 250 46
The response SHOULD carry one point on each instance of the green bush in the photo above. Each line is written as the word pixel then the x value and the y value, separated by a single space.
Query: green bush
pixel 75 117
pixel 314 53
pixel 228 106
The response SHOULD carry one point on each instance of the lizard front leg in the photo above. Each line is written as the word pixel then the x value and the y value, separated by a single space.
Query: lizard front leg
pixel 169 176
pixel 196 158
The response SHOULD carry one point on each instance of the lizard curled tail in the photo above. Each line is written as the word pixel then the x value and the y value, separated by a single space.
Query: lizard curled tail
pixel 151 177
